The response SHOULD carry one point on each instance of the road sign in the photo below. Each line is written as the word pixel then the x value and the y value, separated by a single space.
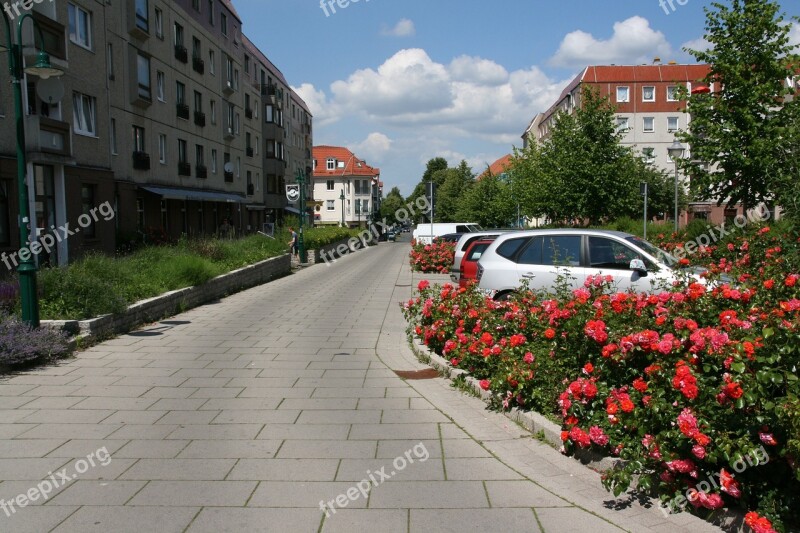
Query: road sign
pixel 292 192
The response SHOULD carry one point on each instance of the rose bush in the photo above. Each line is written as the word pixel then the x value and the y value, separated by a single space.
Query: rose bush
pixel 695 388
pixel 436 257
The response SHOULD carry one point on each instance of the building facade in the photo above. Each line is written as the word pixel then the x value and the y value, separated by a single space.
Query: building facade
pixel 169 113
pixel 347 189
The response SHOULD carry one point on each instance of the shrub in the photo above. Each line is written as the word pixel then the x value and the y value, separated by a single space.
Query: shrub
pixel 21 344
pixel 435 257
pixel 9 296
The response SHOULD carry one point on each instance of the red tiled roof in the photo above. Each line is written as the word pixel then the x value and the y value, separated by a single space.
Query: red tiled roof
pixel 498 167
pixel 353 165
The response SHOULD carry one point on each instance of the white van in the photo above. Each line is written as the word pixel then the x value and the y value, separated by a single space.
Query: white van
pixel 425 233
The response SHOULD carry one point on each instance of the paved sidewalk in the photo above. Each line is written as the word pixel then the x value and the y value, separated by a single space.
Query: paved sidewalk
pixel 278 409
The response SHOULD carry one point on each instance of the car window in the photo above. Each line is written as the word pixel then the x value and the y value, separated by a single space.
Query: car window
pixel 477 251
pixel 563 250
pixel 532 254
pixel 508 248
pixel 463 228
pixel 474 227
pixel 611 254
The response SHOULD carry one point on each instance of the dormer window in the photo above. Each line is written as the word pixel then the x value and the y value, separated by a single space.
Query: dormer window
pixel 331 164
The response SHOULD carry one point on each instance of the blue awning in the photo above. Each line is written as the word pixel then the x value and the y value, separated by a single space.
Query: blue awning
pixel 173 193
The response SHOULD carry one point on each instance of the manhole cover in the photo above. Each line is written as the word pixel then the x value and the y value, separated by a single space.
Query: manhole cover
pixel 428 373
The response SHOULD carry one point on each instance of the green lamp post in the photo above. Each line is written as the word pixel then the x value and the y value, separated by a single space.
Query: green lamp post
pixel 43 69
pixel 301 248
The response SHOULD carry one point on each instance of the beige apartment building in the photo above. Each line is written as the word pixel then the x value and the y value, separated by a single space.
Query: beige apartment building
pixel 169 113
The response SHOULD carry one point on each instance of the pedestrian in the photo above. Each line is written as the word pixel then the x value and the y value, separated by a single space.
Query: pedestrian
pixel 225 229
pixel 293 242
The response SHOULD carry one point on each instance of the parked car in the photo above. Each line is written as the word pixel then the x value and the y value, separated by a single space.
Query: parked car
pixel 462 245
pixel 425 233
pixel 468 270
pixel 391 235
pixel 449 237
pixel 541 256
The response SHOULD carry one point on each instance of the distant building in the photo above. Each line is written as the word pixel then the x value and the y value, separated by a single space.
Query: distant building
pixel 340 177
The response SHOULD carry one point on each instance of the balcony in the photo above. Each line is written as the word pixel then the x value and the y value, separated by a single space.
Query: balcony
pixel 227 86
pixel 181 53
pixel 141 160
pixel 201 172
pixel 48 139
pixel 198 65
pixel 229 176
pixel 184 169
pixel 182 111
pixel 200 118
pixel 249 151
pixel 228 133
pixel 248 113
pixel 251 189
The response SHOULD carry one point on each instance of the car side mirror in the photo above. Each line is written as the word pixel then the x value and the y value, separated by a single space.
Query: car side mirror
pixel 637 265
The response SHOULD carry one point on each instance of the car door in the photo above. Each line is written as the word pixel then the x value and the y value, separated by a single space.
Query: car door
pixel 613 258
pixel 548 260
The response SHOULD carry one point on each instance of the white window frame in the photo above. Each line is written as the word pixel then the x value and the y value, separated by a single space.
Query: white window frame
pixel 652 96
pixel 159 23
pixel 75 26
pixel 649 154
pixel 623 124
pixel 627 90
pixel 330 205
pixel 213 160
pixel 330 164
pixel 677 121
pixel 652 127
pixel 84 114
pixel 330 185
pixel 160 86
pixel 211 61
pixel 671 97
pixel 213 111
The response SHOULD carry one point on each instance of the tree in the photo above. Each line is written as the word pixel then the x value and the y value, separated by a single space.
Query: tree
pixel 488 202
pixel 431 174
pixel 738 132
pixel 455 183
pixel 391 205
pixel 582 173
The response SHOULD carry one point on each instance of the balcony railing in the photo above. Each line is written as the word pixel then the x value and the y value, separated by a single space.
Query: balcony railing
pixel 184 169
pixel 227 85
pixel 181 53
pixel 182 111
pixel 249 151
pixel 141 160
pixel 228 133
pixel 248 113
pixel 250 189
pixel 198 65
pixel 201 172
pixel 46 135
pixel 200 118
pixel 228 176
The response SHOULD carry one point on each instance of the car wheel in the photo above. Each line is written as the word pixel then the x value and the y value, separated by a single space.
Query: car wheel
pixel 503 296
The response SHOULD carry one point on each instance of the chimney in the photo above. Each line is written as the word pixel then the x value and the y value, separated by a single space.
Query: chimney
pixel 656 60
pixel 672 62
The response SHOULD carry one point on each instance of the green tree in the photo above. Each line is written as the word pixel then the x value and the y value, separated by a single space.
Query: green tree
pixel 739 132
pixel 488 202
pixel 431 173
pixel 582 173
pixel 455 183
pixel 391 205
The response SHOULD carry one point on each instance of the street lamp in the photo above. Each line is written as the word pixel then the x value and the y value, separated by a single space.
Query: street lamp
pixel 43 69
pixel 301 248
pixel 341 197
pixel 675 152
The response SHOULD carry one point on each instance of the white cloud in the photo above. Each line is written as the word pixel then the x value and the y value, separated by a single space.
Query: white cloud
pixel 323 111
pixel 373 148
pixel 403 28
pixel 633 42
pixel 477 70
pixel 697 44
pixel 794 35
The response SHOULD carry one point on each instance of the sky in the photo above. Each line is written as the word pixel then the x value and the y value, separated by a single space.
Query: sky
pixel 402 81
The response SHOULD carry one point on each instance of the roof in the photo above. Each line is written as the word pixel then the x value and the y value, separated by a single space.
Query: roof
pixel 498 167
pixel 229 5
pixel 354 166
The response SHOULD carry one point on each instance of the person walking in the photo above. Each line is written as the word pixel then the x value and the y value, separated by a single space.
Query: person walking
pixel 293 243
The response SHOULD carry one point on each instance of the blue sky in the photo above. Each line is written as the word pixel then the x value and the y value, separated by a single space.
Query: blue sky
pixel 399 82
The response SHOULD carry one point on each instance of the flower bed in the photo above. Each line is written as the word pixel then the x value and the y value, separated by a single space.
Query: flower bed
pixel 436 257
pixel 695 388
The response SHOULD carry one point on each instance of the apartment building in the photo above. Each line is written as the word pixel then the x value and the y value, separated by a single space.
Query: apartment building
pixel 648 114
pixel 168 113
pixel 347 188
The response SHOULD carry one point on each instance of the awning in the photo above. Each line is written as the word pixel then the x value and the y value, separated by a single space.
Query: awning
pixel 172 193
pixel 292 210
pixel 254 207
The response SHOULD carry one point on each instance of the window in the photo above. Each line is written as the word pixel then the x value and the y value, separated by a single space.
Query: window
pixel 198 102
pixel 213 161
pixel 249 179
pixel 269 113
pixel 229 71
pixel 213 107
pixel 211 62
pixel 246 64
pixel 648 93
pixel 162 148
pixel 607 253
pixel 562 250
pixel 256 145
pixel 648 124
pixel 83 112
pixel 649 154
pixel 672 124
pixel 236 124
pixel 270 149
pixel 223 24
pixel 672 93
pixel 196 48
pixel 113 136
pixel 110 61
pixel 80 26
pixel 160 83
pixel 180 93
pixel 143 73
pixel 330 184
pixel 238 167
pixel 196 5
pixel 211 12
pixel 178 35
pixel 229 117
pixel 138 139
pixel 182 155
pixel 532 254
pixel 142 15
pixel 87 204
pixel 622 124
pixel 331 164
pixel 159 23
pixel 199 153
pixel 330 205
pixel 623 94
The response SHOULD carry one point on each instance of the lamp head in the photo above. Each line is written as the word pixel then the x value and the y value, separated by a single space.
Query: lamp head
pixel 675 150
pixel 43 68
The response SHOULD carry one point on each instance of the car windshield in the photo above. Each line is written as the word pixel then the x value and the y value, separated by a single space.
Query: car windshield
pixel 655 251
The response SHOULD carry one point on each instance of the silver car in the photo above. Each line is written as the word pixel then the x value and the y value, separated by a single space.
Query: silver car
pixel 541 257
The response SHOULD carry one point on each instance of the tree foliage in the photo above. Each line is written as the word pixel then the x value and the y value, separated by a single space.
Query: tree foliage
pixel 391 205
pixel 740 132
pixel 488 202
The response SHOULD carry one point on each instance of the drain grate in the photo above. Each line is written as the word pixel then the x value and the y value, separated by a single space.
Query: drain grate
pixel 428 373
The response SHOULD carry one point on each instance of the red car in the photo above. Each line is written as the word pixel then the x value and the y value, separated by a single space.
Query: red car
pixel 469 264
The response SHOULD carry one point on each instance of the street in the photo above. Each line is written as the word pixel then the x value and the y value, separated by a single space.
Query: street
pixel 278 409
